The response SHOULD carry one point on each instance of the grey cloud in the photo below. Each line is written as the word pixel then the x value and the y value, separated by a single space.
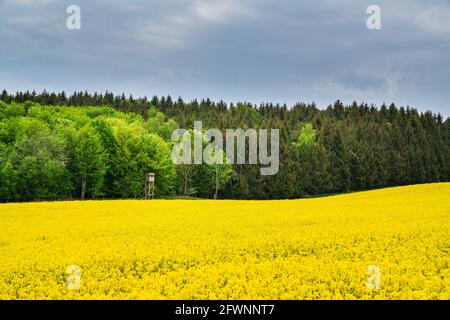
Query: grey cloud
pixel 255 50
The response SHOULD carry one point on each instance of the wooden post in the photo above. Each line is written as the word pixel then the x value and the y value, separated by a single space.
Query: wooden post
pixel 149 191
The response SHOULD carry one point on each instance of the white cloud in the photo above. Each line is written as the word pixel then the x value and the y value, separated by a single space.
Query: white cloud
pixel 34 2
pixel 434 19
pixel 180 29
pixel 430 19
pixel 219 11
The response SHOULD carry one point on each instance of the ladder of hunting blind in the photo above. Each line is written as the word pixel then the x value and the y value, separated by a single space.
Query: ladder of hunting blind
pixel 149 191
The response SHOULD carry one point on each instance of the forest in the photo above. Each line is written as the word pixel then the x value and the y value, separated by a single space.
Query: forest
pixel 55 146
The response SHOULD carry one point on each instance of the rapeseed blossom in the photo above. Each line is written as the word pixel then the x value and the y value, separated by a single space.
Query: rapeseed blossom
pixel 321 248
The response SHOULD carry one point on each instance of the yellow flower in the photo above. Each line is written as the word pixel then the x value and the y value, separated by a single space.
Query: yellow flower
pixel 384 244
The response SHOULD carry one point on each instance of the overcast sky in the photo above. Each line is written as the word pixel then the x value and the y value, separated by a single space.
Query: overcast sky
pixel 238 50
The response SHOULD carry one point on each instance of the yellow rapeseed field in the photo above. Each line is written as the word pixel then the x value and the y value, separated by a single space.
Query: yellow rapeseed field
pixel 385 244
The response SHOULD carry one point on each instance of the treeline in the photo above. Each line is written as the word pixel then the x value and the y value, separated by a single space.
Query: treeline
pixel 336 149
pixel 59 152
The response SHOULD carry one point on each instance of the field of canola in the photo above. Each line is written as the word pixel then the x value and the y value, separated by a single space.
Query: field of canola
pixel 301 249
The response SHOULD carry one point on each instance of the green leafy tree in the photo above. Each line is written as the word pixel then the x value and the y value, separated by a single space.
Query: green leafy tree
pixel 90 161
pixel 139 153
